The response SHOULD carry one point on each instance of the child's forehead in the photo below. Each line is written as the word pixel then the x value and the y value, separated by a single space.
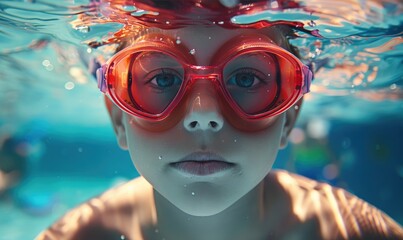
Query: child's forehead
pixel 204 41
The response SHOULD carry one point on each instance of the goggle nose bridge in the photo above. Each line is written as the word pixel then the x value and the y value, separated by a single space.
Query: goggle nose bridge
pixel 196 73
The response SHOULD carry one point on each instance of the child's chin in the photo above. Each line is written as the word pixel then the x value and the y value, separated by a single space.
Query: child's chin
pixel 203 207
pixel 203 211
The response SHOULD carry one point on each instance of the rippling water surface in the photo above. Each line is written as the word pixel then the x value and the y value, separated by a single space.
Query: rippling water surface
pixel 43 72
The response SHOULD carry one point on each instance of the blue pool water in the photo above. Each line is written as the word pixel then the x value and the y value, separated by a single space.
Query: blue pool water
pixel 349 132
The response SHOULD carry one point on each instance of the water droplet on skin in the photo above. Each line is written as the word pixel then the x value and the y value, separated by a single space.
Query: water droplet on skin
pixel 167 22
pixel 178 40
pixel 220 22
pixel 193 193
pixel 193 51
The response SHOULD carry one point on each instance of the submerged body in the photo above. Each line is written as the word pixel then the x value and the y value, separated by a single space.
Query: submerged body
pixel 291 207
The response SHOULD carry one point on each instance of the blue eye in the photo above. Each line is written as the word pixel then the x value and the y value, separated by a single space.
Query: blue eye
pixel 165 79
pixel 245 78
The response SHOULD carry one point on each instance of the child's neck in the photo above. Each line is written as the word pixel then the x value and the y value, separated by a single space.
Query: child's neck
pixel 247 217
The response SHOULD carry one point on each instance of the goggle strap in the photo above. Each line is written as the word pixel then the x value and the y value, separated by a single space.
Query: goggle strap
pixel 100 74
pixel 308 77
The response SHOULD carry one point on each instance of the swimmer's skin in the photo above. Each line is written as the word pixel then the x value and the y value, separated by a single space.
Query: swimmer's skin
pixel 250 203
pixel 318 211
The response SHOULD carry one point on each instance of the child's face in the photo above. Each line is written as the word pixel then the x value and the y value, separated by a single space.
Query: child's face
pixel 203 132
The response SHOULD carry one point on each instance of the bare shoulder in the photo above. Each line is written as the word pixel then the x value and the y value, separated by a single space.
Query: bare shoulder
pixel 108 216
pixel 334 211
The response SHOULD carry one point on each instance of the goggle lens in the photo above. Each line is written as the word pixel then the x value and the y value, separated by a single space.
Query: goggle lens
pixel 261 81
pixel 148 81
pixel 256 83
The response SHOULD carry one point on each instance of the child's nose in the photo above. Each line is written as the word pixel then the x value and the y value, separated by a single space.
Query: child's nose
pixel 203 109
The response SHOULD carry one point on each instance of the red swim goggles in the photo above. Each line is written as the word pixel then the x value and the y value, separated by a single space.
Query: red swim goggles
pixel 256 79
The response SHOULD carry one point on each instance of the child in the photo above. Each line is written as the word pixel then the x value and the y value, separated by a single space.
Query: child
pixel 203 110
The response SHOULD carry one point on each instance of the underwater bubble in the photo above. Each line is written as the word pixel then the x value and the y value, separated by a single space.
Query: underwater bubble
pixel 69 85
pixel 393 86
pixel 160 157
pixel 122 237
pixel 193 193
pixel 235 140
pixel 220 22
pixel 80 149
pixel 46 63
pixel 178 40
pixel 167 22
pixel 156 230
pixel 50 68
pixel 193 51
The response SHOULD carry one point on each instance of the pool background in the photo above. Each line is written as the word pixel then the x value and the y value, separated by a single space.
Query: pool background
pixel 363 157
pixel 348 134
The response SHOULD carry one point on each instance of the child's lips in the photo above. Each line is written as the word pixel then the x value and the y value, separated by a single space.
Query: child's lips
pixel 202 164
